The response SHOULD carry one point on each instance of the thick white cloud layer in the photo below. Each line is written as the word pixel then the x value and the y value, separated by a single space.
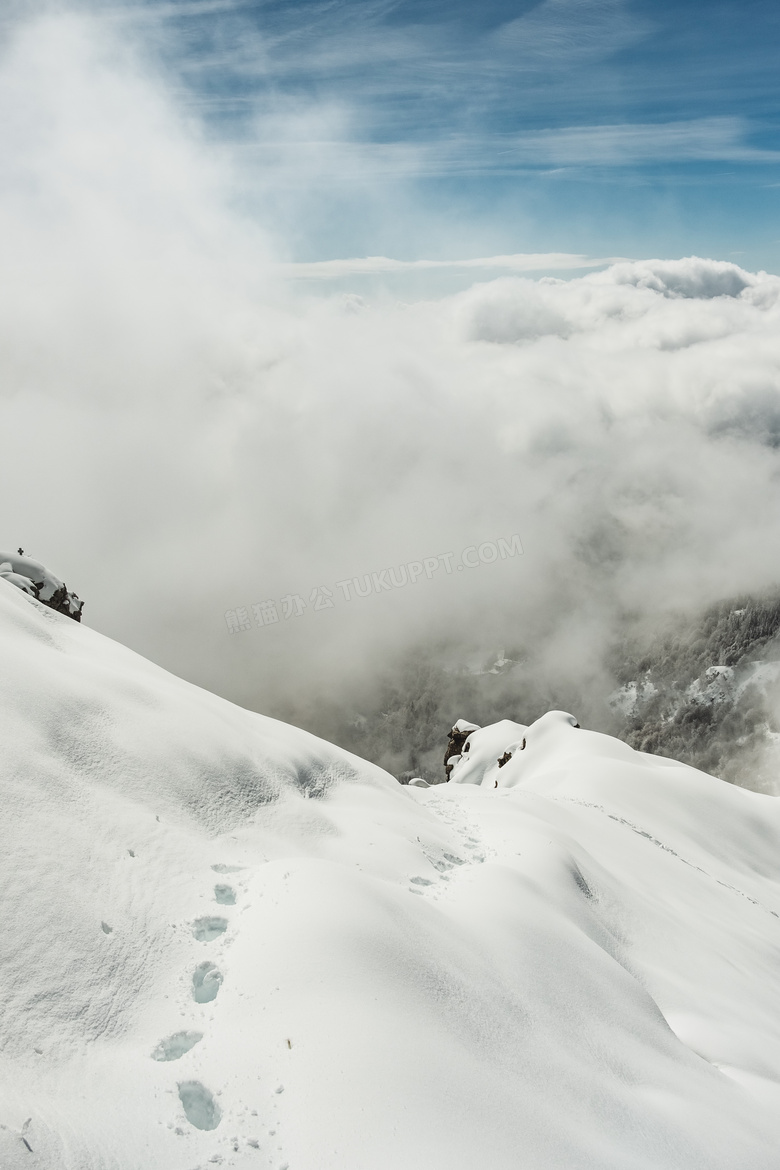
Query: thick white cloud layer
pixel 185 433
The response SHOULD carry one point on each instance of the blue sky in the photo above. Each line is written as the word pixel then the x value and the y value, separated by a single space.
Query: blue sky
pixel 409 129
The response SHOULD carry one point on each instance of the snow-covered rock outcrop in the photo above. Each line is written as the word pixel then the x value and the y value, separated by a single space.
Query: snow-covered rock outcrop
pixel 31 577
pixel 459 733
pixel 229 943
pixel 483 749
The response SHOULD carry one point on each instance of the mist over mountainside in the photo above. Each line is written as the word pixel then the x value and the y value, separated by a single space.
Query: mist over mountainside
pixel 704 690
pixel 233 432
pixel 230 431
pixel 708 693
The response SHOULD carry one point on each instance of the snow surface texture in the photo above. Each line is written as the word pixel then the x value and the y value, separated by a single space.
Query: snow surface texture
pixel 31 577
pixel 229 943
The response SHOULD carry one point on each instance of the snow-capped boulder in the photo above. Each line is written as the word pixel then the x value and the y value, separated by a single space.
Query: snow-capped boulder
pixel 459 733
pixel 483 749
pixel 31 577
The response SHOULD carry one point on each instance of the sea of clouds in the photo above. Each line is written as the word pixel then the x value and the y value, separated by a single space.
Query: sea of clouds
pixel 190 429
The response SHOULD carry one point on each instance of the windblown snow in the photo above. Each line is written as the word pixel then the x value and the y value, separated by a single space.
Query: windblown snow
pixel 228 943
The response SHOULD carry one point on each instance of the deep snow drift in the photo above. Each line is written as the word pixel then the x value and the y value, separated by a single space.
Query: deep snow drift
pixel 229 943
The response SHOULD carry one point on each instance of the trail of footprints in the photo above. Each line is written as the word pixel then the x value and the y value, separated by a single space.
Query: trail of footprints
pixel 198 1103
pixel 200 1107
pixel 471 847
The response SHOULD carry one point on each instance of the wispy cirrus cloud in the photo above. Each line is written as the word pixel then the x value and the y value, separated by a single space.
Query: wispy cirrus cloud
pixel 631 144
pixel 393 127
pixel 302 145
pixel 570 31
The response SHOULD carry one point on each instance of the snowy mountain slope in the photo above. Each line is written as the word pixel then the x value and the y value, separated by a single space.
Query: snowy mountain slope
pixel 229 943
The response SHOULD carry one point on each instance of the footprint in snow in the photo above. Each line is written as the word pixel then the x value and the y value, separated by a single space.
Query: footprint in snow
pixel 225 895
pixel 209 928
pixel 445 863
pixel 200 1108
pixel 206 982
pixel 175 1046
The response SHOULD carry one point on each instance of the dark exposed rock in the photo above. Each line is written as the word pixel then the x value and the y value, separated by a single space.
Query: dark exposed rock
pixel 456 745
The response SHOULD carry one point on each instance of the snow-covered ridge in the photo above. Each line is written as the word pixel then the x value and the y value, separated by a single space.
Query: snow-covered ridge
pixel 233 944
